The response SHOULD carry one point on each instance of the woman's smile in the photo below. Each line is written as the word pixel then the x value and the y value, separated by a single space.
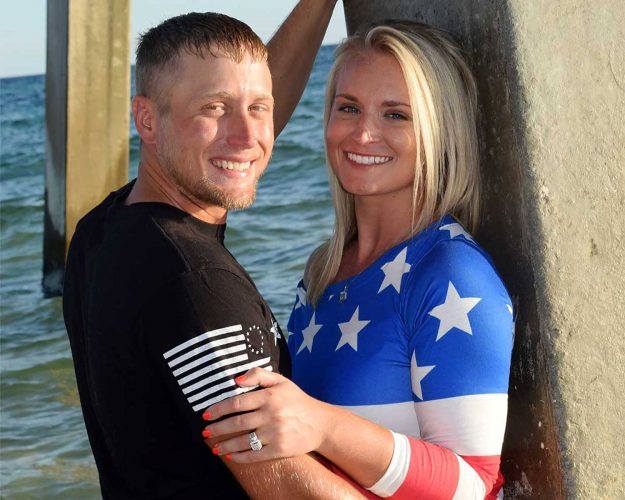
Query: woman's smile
pixel 370 134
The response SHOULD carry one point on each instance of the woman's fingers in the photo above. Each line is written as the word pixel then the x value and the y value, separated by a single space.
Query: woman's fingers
pixel 234 425
pixel 241 443
pixel 238 449
pixel 259 376
pixel 245 402
pixel 236 404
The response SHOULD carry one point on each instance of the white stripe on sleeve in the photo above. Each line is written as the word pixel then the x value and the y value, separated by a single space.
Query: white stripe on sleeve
pixel 468 425
pixel 201 338
pixel 399 417
pixel 396 472
pixel 470 484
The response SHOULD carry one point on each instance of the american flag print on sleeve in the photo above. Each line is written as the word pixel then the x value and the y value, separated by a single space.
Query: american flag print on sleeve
pixel 205 366
pixel 419 342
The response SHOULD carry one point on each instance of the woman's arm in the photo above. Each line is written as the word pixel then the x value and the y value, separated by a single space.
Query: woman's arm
pixel 292 52
pixel 290 423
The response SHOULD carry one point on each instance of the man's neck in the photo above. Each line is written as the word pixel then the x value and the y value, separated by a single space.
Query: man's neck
pixel 153 185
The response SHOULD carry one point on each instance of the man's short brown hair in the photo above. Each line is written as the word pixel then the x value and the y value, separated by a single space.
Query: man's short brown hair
pixel 195 33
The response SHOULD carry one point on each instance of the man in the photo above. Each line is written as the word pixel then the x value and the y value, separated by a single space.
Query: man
pixel 160 316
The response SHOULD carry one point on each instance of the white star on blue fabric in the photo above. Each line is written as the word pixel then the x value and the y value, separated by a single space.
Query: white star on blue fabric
pixel 309 335
pixel 417 374
pixel 350 331
pixel 301 298
pixel 455 229
pixel 394 271
pixel 454 312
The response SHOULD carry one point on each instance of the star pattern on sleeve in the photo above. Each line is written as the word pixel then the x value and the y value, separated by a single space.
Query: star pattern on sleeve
pixel 309 335
pixel 417 374
pixel 456 229
pixel 454 312
pixel 350 331
pixel 394 271
pixel 301 298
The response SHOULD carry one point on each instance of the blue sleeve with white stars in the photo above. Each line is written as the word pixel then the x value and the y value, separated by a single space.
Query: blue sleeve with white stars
pixel 458 316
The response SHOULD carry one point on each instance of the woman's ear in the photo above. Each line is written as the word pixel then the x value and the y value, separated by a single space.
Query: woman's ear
pixel 144 115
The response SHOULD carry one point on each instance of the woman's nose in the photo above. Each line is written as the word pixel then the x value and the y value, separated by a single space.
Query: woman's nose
pixel 365 130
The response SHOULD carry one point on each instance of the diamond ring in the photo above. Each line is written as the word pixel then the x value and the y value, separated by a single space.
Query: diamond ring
pixel 255 443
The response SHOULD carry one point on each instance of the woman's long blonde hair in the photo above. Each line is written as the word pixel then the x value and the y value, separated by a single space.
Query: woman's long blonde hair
pixel 443 99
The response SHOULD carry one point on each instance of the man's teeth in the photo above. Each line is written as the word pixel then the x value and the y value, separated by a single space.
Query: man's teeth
pixel 231 165
pixel 368 160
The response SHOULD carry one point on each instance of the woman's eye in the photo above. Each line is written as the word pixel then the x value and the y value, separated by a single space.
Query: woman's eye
pixel 396 116
pixel 347 108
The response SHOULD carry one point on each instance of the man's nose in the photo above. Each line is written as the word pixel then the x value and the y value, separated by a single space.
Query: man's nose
pixel 241 131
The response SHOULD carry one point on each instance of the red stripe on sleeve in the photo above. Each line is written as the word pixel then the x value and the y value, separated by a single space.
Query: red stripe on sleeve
pixel 433 472
pixel 487 468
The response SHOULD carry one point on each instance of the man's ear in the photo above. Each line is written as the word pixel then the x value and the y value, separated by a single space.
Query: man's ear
pixel 145 118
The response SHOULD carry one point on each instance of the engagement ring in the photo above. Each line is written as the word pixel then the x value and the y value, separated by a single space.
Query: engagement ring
pixel 255 443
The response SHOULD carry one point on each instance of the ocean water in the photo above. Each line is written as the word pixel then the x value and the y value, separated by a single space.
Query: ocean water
pixel 44 451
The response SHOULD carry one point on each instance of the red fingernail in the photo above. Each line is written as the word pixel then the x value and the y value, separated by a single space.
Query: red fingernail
pixel 216 450
pixel 228 457
pixel 207 415
pixel 207 434
pixel 239 379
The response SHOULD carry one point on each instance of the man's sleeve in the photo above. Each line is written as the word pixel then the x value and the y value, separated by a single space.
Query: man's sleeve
pixel 204 329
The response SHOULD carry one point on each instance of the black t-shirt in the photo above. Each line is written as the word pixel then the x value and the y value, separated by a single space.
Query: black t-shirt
pixel 161 318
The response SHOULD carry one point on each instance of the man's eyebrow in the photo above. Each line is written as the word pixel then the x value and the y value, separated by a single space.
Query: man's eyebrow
pixel 265 97
pixel 227 95
pixel 215 95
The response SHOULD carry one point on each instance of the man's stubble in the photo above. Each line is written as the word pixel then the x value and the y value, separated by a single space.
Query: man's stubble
pixel 203 190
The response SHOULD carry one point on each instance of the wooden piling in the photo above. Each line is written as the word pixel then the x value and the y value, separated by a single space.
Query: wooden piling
pixel 87 117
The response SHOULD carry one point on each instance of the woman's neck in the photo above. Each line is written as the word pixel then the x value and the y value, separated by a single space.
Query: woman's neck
pixel 382 223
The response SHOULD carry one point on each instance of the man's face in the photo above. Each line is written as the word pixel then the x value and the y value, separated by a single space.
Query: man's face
pixel 215 139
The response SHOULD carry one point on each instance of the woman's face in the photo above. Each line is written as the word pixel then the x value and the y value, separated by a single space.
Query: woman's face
pixel 370 137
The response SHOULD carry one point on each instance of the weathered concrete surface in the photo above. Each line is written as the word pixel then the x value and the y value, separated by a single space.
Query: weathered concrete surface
pixel 551 77
pixel 88 95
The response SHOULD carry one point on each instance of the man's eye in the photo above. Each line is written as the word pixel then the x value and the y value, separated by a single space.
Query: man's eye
pixel 259 108
pixel 214 107
pixel 347 108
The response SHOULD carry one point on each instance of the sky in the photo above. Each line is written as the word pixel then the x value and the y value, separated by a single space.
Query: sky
pixel 23 25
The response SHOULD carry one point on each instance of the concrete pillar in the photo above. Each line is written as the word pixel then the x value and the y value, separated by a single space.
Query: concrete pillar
pixel 87 117
pixel 551 78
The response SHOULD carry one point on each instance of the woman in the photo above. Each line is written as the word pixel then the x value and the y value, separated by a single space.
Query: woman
pixel 402 329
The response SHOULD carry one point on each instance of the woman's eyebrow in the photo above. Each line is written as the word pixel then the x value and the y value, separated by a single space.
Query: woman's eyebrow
pixel 349 97
pixel 392 103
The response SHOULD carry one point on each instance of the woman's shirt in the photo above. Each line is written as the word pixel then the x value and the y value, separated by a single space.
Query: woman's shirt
pixel 419 342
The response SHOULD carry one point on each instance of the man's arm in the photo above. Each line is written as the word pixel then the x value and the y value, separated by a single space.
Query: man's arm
pixel 199 338
pixel 300 477
pixel 292 52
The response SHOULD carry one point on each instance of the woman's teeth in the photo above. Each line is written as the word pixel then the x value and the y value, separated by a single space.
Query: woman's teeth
pixel 231 165
pixel 368 160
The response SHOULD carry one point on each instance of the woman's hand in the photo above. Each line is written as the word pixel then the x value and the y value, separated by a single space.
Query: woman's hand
pixel 287 421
